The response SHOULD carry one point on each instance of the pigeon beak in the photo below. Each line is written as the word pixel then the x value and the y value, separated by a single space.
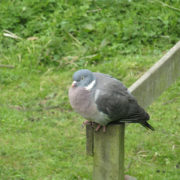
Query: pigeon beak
pixel 74 83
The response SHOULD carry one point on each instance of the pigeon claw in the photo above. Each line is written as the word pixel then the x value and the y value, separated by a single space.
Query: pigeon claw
pixel 86 122
pixel 99 126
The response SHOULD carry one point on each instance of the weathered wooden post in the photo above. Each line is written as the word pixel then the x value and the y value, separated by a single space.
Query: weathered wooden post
pixel 109 153
pixel 108 148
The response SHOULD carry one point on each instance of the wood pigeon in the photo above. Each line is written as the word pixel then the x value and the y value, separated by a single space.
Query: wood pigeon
pixel 102 99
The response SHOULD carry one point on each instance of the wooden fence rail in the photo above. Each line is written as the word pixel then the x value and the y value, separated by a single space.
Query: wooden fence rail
pixel 108 148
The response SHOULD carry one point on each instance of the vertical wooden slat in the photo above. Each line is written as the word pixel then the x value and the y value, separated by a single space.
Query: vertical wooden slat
pixel 109 153
pixel 89 140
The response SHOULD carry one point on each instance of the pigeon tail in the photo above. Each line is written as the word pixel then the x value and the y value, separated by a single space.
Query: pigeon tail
pixel 147 125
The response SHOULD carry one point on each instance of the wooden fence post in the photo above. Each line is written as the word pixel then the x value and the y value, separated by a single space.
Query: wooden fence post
pixel 109 153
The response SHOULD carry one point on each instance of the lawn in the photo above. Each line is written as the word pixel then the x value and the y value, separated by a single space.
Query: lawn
pixel 41 136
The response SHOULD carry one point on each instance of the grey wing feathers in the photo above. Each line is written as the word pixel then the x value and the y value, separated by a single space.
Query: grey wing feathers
pixel 115 101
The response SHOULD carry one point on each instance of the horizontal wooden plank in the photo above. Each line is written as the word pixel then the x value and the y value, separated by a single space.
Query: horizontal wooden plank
pixel 158 78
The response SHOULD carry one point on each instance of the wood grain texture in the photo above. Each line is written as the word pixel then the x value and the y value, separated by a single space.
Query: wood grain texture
pixel 89 140
pixel 109 153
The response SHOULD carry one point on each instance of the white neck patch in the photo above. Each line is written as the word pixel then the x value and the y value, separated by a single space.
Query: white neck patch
pixel 91 85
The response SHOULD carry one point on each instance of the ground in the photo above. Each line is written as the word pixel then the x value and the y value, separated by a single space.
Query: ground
pixel 41 136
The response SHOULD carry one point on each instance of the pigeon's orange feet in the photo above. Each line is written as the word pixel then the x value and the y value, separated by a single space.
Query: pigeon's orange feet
pixel 99 126
pixel 86 122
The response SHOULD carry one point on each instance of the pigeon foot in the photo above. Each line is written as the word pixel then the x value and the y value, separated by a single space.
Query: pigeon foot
pixel 87 122
pixel 99 126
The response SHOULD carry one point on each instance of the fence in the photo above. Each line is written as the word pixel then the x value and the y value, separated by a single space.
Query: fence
pixel 108 148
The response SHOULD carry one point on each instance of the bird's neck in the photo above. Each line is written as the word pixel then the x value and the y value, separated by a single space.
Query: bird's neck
pixel 90 85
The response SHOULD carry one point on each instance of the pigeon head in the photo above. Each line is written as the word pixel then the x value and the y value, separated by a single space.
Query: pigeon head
pixel 83 78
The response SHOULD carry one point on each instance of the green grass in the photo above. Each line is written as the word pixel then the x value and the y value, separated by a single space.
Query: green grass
pixel 41 136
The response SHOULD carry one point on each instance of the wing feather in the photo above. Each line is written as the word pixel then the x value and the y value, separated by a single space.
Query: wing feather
pixel 114 100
